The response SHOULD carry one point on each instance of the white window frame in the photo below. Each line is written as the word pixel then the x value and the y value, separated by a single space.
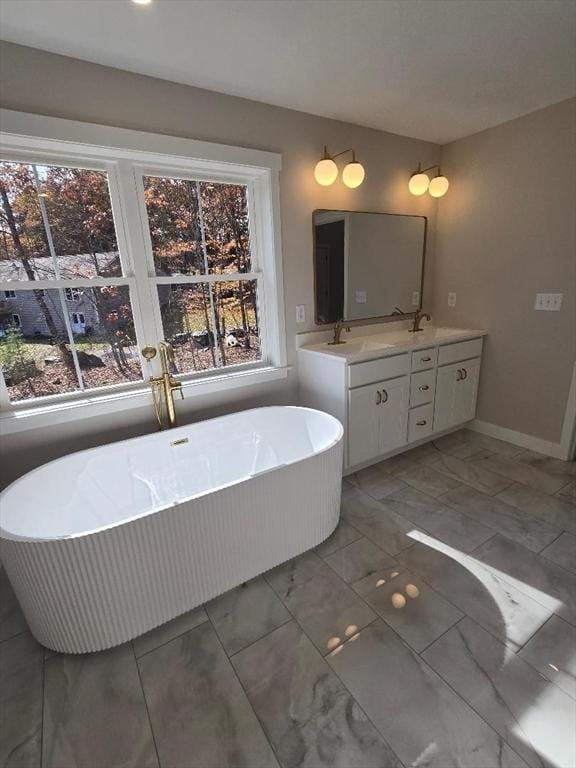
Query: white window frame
pixel 72 294
pixel 17 320
pixel 126 156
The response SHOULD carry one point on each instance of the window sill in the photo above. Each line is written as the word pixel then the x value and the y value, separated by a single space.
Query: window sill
pixel 34 417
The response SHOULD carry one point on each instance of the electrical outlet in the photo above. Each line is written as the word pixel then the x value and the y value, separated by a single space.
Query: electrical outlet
pixel 361 297
pixel 416 298
pixel 300 313
pixel 549 302
pixel 452 299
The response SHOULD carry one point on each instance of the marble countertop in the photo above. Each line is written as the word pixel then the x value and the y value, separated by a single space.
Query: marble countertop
pixel 389 343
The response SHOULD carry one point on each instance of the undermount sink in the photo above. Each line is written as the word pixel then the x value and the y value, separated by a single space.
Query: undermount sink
pixel 352 347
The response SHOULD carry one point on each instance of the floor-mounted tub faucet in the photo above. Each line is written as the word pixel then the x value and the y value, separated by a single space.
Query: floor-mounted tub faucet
pixel 163 386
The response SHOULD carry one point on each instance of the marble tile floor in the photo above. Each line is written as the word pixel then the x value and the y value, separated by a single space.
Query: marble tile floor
pixel 435 628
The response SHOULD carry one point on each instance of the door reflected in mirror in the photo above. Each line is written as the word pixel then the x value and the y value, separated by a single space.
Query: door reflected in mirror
pixel 367 265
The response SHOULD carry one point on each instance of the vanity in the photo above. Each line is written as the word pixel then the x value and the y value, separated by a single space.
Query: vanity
pixel 392 389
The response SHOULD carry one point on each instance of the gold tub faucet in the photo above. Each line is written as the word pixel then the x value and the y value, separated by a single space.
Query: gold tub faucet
pixel 163 386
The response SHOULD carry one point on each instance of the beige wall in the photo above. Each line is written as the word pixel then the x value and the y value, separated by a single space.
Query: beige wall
pixel 506 231
pixel 43 83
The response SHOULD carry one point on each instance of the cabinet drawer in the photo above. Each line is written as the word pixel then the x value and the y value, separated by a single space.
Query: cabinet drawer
pixel 377 370
pixel 422 387
pixel 420 422
pixel 463 350
pixel 424 358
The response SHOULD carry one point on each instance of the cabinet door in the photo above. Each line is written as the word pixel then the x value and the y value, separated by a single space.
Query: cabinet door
pixel 363 424
pixel 456 391
pixel 447 380
pixel 393 414
pixel 467 391
pixel 377 419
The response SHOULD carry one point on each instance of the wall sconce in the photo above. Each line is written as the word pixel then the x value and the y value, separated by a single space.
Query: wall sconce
pixel 326 170
pixel 420 183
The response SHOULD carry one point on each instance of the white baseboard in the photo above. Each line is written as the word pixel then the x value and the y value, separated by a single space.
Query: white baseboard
pixel 518 438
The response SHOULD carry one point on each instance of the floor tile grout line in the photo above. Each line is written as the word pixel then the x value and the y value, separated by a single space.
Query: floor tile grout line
pixel 525 594
pixel 245 692
pixel 462 610
pixel 335 673
pixel 161 645
pixel 469 703
pixel 540 551
pixel 353 591
pixel 12 637
pixel 149 716
pixel 257 640
pixel 445 632
pixel 553 562
pixel 527 660
pixel 435 672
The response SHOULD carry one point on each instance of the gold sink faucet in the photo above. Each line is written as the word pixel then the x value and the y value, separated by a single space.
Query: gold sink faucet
pixel 418 316
pixel 163 386
pixel 338 328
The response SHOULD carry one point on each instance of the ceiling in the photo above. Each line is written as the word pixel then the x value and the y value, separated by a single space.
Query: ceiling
pixel 431 69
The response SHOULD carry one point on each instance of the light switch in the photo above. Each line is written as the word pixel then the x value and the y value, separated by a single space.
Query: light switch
pixel 549 302
pixel 452 299
pixel 361 297
pixel 300 313
pixel 416 298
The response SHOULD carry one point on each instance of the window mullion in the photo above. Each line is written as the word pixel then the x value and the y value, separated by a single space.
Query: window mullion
pixel 206 270
pixel 126 194
pixel 61 294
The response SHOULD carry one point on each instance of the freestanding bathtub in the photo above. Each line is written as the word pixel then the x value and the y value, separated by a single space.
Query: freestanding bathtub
pixel 105 544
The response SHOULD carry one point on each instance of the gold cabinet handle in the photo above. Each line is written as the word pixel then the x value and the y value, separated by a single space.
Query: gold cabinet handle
pixel 459 374
pixel 425 359
pixel 421 423
pixel 424 388
pixel 378 397
pixel 384 396
pixel 465 373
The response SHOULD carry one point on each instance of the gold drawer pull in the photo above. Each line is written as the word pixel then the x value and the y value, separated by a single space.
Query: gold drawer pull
pixel 425 359
pixel 424 388
pixel 421 423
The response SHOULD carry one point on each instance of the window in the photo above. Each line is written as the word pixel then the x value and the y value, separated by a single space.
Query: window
pixel 72 294
pixel 58 226
pixel 200 234
pixel 105 250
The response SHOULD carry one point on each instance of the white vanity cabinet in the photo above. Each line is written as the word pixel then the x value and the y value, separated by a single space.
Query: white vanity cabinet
pixel 390 395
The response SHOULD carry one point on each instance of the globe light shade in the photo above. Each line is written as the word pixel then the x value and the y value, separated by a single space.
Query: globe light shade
pixel 419 183
pixel 438 186
pixel 326 172
pixel 353 174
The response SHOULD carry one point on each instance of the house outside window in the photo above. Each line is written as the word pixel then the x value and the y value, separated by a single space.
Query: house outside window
pixel 146 247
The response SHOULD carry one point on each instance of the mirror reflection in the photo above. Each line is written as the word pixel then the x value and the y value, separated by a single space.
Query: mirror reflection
pixel 367 264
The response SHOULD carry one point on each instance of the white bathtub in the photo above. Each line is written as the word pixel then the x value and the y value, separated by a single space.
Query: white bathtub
pixel 105 544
